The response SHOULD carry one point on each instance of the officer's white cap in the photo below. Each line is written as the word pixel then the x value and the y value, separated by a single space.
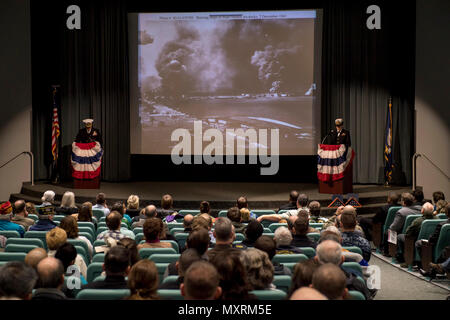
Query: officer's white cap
pixel 339 122
pixel 86 121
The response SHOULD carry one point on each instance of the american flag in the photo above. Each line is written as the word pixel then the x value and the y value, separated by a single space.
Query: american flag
pixel 55 127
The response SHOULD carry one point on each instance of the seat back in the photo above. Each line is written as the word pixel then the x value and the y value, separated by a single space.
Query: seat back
pixel 176 230
pixel 102 294
pixel 101 229
pixel 353 249
pixel 37 235
pixel 94 270
pixel 181 239
pixel 288 258
pixel 161 267
pixel 12 256
pixel 170 279
pixel 282 282
pixel 290 265
pixel 139 237
pixel 309 252
pixel 99 257
pixel 145 253
pixel 282 211
pixel 263 212
pixel 441 216
pixel 58 217
pixel 443 241
pixel 316 225
pixel 314 236
pixel 102 219
pixel 353 266
pixel 83 253
pixel 170 294
pixel 269 294
pixel 355 295
pixel 80 243
pixel 185 212
pixel 428 227
pixel 24 241
pixel 10 234
pixel 267 230
pixel 98 214
pixel 19 247
pixel 222 213
pixel 86 224
pixel 275 226
pixel 409 219
pixel 174 225
pixel 98 243
pixel 33 216
pixel 390 218
pixel 173 243
pixel 87 235
pixel 239 237
pixel 164 257
pixel 138 230
pixel 87 230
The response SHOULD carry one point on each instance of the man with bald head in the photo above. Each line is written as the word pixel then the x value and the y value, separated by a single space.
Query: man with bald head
pixel 148 212
pixel 20 215
pixel 306 293
pixel 187 223
pixel 35 256
pixel 51 280
pixel 330 280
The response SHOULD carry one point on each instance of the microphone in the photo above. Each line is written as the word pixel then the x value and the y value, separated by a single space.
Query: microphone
pixel 330 132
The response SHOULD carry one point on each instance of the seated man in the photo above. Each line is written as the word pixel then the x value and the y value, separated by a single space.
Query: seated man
pixel 20 215
pixel 113 222
pixel 302 204
pixel 330 251
pixel 120 207
pixel 17 281
pixel 51 280
pixel 242 203
pixel 253 231
pixel 335 235
pixel 5 219
pixel 166 206
pixel 349 236
pixel 45 222
pixel 306 293
pixel 292 204
pixel 299 231
pixel 101 204
pixel 224 234
pixel 153 229
pixel 283 239
pixel 268 245
pixel 188 257
pixel 201 282
pixel 148 212
pixel 408 208
pixel 187 223
pixel 234 214
pixel 331 281
pixel 116 267
pixel 35 256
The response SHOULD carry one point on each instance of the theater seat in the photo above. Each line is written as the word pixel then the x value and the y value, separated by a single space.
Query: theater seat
pixel 144 253
pixel 287 258
pixel 170 279
pixel 173 243
pixel 275 226
pixel 161 267
pixel 353 249
pixel 309 252
pixel 99 257
pixel 164 257
pixel 38 235
pixel 355 295
pixel 170 294
pixel 282 282
pixel 314 236
pixel 12 256
pixel 24 241
pixel 102 294
pixel 19 247
pixel 10 234
pixel 94 270
pixel 269 294
pixel 174 225
pixel 98 214
pixel 181 239
pixel 443 241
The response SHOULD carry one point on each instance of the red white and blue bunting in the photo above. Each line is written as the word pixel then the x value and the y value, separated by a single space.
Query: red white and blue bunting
pixel 86 160
pixel 332 161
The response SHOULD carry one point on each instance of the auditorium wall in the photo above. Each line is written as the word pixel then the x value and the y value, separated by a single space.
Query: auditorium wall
pixel 432 101
pixel 15 94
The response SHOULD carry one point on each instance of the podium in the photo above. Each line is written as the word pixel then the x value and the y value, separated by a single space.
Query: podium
pixel 86 165
pixel 335 168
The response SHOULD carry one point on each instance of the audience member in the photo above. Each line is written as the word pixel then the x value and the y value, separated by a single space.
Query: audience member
pixel 283 239
pixel 45 222
pixel 300 230
pixel 133 206
pixel 51 280
pixel 268 245
pixel 210 221
pixel 5 219
pixel 31 208
pixel 35 256
pixel 166 206
pixel 438 195
pixel 116 267
pixel 349 236
pixel 132 247
pixel 201 282
pixel 330 280
pixel 148 212
pixel 380 216
pixel 292 204
pixel 440 207
pixel 253 231
pixel 187 223
pixel 245 215
pixel 303 274
pixel 67 254
pixel 205 207
pixel 314 213
pixel 332 233
pixel 17 281
pixel 306 293
pixel 418 197
pixel 232 273
pixel 153 228
pixel 85 214
pixel 120 207
pixel 408 208
pixel 224 235
pixel 143 281
pixel 188 257
pixel 67 204
pixel 48 198
pixel 100 203
pixel 234 214
pixel 70 225
pixel 56 238
pixel 242 203
pixel 332 221
pixel 113 222
pixel 302 204
pixel 20 215
pixel 259 269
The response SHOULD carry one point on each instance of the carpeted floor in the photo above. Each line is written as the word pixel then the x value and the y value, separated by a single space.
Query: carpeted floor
pixel 398 284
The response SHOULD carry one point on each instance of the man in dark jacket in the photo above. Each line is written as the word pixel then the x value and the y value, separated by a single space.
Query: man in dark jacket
pixel 88 133
pixel 51 280
pixel 268 245
pixel 292 204
pixel 340 135
pixel 234 214
pixel 299 229
pixel 188 257
pixel 45 222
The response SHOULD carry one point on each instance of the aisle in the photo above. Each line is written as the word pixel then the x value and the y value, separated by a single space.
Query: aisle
pixel 399 285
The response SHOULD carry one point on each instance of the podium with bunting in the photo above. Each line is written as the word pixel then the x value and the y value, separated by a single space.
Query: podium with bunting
pixel 335 168
pixel 86 165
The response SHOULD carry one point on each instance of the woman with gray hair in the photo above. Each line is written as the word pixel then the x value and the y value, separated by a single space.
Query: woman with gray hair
pixel 48 198
pixel 283 239
pixel 259 269
pixel 68 206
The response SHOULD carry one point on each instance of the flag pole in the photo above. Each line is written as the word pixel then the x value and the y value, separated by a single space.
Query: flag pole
pixel 388 144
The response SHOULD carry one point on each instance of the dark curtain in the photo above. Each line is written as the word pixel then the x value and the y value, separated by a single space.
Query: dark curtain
pixel 361 69
pixel 95 82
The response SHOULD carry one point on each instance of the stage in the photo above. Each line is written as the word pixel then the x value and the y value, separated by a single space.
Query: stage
pixel 221 195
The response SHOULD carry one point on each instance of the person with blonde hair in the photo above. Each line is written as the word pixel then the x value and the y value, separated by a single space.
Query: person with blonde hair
pixel 133 206
pixel 143 281
pixel 67 204
pixel 259 269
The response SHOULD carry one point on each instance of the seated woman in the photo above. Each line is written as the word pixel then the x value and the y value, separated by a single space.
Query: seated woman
pixel 133 206
pixel 143 281
pixel 70 225
pixel 259 269
pixel 85 214
pixel 153 229
pixel 67 204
